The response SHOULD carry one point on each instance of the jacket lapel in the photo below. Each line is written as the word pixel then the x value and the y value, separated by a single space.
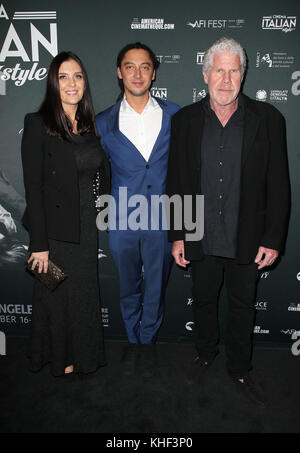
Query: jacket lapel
pixel 197 124
pixel 165 124
pixel 251 123
pixel 121 138
pixel 114 119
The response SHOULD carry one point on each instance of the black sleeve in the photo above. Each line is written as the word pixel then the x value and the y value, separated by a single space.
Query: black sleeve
pixel 105 172
pixel 278 185
pixel 33 162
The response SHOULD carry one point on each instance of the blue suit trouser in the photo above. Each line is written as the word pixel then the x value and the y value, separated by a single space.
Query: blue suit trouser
pixel 135 252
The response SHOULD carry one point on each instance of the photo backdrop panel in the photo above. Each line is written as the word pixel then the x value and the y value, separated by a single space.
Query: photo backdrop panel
pixel 31 34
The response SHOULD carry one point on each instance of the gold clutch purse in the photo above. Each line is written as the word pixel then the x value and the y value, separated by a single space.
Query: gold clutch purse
pixel 52 278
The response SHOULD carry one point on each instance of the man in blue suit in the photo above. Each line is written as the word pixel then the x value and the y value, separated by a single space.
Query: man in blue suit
pixel 135 135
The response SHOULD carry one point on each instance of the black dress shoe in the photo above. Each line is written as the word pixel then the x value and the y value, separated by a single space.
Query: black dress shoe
pixel 148 360
pixel 251 390
pixel 130 358
pixel 196 369
pixel 87 376
pixel 69 377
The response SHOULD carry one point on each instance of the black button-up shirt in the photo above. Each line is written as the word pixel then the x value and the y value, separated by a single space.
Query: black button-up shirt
pixel 221 151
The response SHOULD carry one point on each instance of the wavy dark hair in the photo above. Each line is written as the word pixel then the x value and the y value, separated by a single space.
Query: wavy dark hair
pixel 121 55
pixel 56 121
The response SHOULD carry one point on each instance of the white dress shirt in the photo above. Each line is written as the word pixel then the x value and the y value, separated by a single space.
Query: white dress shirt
pixel 143 128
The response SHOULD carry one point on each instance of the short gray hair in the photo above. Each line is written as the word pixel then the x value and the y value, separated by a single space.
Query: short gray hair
pixel 224 45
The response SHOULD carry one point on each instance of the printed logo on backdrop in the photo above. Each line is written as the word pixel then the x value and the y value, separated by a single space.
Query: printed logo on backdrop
pixel 101 254
pixel 169 59
pixel 259 330
pixel 3 14
pixel 261 306
pixel 200 57
pixel 189 301
pixel 2 85
pixel 105 317
pixel 279 22
pixel 151 24
pixel 12 44
pixel 198 94
pixel 294 307
pixel 273 96
pixel 161 93
pixel 16 314
pixel 290 332
pixel 2 341
pixel 274 60
pixel 298 276
pixel 216 23
pixel 189 326
pixel 296 91
pixel 279 95
pixel 261 95
pixel 265 275
pixel 296 346
pixel 188 273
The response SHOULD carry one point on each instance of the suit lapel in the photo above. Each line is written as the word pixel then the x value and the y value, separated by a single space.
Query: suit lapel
pixel 165 123
pixel 114 118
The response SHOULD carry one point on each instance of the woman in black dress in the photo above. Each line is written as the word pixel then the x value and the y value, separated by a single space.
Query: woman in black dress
pixel 61 155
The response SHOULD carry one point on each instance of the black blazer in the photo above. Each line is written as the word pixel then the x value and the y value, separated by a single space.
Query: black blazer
pixel 264 189
pixel 51 186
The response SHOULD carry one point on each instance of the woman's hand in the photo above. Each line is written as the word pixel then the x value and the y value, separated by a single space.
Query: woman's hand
pixel 39 259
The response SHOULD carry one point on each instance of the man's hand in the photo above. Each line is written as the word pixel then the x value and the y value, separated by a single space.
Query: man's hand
pixel 265 257
pixel 178 253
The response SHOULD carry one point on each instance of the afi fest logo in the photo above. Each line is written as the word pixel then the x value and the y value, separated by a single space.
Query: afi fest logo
pixel 11 45
pixel 217 23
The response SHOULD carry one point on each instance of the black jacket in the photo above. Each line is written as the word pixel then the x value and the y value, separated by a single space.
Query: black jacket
pixel 51 186
pixel 264 187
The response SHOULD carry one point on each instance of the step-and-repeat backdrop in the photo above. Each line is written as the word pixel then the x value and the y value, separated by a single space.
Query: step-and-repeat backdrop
pixel 33 32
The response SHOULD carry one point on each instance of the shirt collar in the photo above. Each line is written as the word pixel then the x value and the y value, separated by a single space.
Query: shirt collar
pixel 209 110
pixel 152 104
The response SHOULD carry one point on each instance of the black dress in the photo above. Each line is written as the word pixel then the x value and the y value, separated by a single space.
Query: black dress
pixel 66 324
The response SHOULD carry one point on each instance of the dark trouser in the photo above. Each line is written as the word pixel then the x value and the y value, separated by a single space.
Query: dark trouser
pixel 241 282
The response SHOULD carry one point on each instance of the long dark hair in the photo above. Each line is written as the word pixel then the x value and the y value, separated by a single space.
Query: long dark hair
pixel 121 55
pixel 55 119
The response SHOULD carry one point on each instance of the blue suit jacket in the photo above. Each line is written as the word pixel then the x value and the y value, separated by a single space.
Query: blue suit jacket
pixel 129 168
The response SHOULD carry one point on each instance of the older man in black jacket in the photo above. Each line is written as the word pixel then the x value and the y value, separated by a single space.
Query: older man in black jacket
pixel 232 150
